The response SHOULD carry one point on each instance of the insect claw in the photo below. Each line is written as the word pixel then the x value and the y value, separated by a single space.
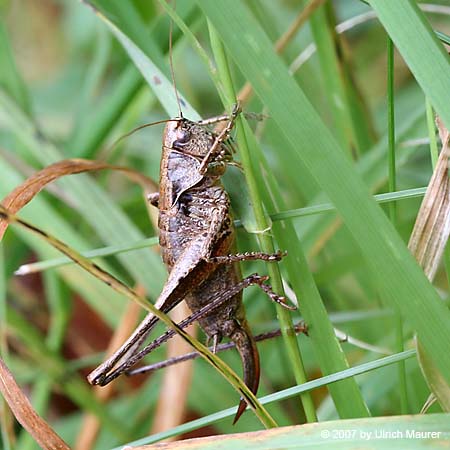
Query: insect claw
pixel 236 164
pixel 237 109
pixel 282 302
pixel 258 279
pixel 277 256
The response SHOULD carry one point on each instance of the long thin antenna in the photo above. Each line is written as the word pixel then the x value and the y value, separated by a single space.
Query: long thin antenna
pixel 140 127
pixel 171 63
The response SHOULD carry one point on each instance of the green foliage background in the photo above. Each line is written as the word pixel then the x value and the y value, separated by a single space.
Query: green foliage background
pixel 70 88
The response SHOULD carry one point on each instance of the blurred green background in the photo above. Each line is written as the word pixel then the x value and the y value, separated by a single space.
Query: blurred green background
pixel 68 89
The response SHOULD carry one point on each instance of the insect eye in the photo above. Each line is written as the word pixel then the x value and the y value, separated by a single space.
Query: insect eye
pixel 182 136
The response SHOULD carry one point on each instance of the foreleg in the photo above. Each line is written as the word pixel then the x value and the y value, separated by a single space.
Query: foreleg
pixel 220 138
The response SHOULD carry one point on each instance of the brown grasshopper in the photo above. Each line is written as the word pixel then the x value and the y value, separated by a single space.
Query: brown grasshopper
pixel 197 239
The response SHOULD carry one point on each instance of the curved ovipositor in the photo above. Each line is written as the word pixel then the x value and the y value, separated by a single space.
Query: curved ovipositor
pixel 246 346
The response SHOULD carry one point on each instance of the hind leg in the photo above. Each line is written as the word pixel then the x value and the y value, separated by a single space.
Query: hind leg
pixel 216 302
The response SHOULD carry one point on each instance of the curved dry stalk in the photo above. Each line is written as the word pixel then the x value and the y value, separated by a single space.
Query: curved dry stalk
pixel 26 191
pixel 25 414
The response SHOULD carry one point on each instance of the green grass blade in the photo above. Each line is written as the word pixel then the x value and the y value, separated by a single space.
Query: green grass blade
pixel 392 181
pixel 283 215
pixel 91 254
pixel 346 395
pixel 420 48
pixel 262 222
pixel 282 395
pixel 156 79
pixel 392 184
pixel 412 432
pixel 325 207
pixel 399 277
pixel 332 73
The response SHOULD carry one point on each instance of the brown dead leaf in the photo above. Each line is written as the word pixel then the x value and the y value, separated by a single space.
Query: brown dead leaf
pixel 38 428
pixel 427 244
pixel 24 193
pixel 432 227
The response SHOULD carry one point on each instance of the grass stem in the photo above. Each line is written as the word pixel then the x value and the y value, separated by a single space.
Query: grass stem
pixel 262 221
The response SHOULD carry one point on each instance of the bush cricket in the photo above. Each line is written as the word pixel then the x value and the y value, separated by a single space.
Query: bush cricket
pixel 197 241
